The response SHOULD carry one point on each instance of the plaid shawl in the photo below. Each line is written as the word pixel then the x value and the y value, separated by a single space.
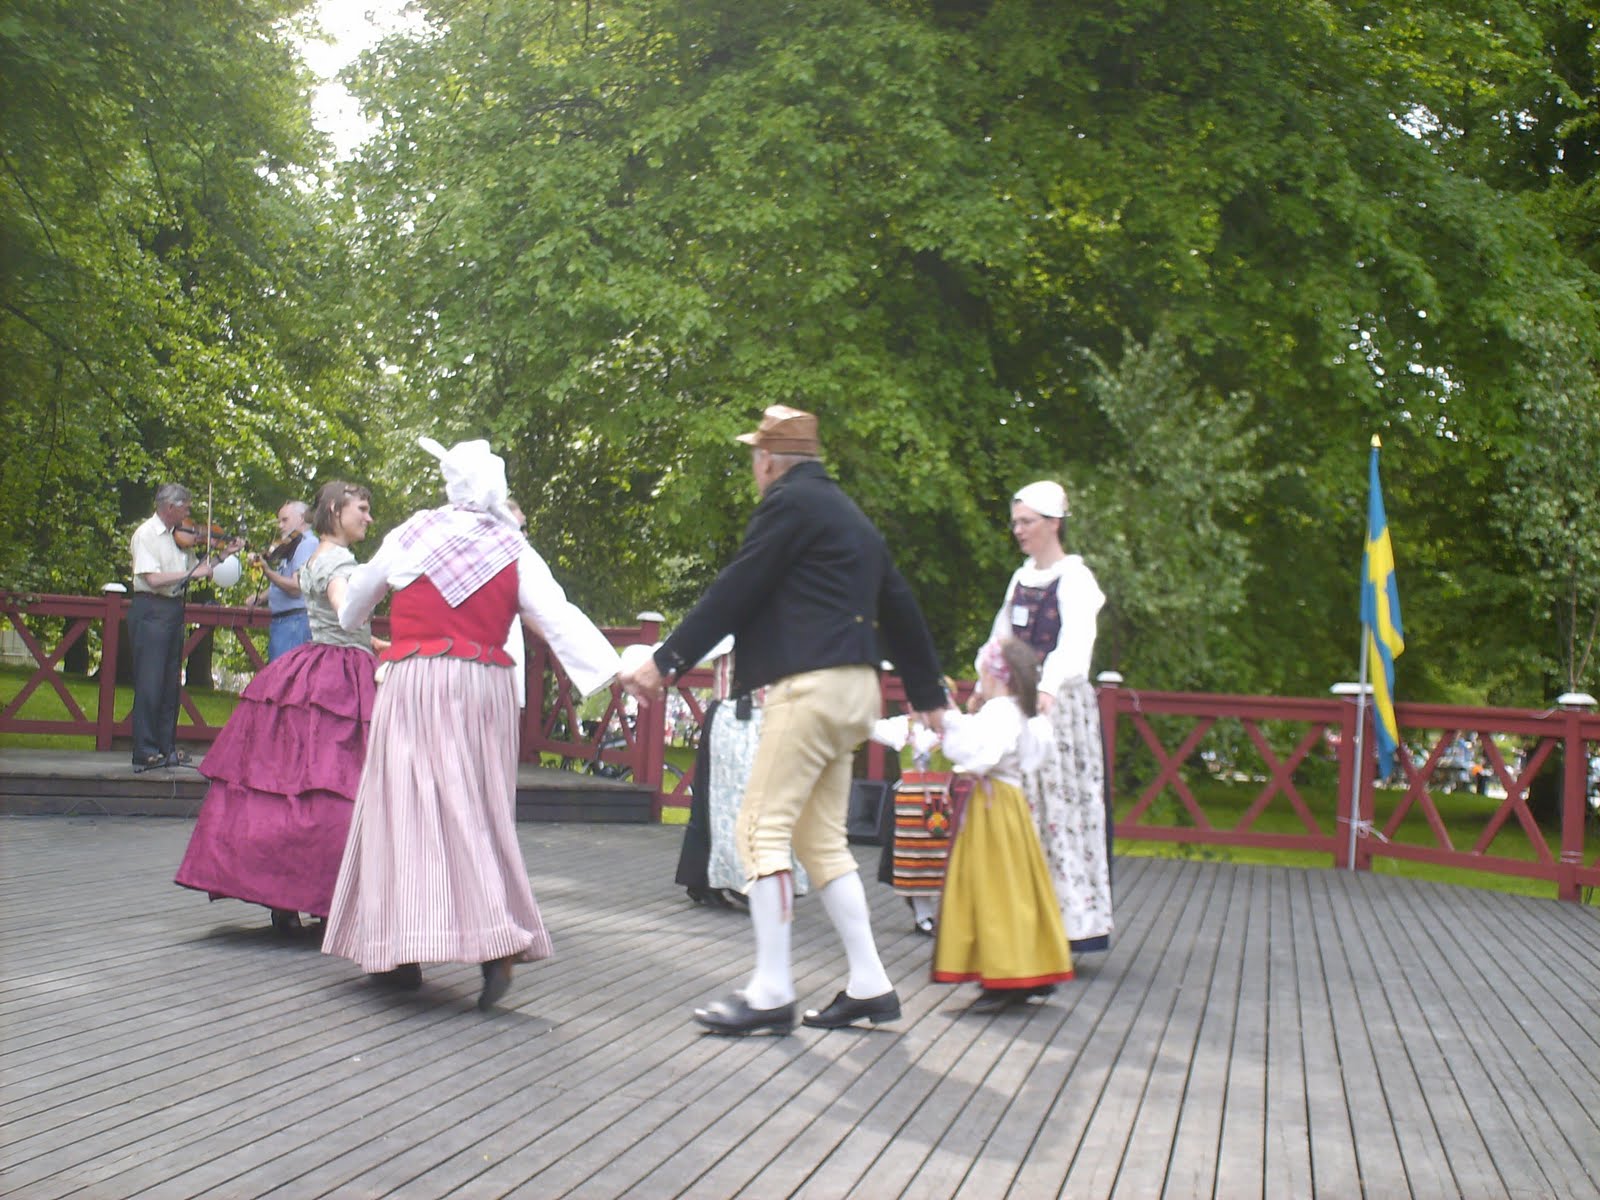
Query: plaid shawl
pixel 459 548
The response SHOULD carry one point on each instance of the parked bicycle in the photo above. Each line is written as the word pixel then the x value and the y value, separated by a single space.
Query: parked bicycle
pixel 602 768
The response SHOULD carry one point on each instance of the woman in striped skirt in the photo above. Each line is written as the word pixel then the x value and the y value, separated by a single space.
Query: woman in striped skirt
pixel 432 871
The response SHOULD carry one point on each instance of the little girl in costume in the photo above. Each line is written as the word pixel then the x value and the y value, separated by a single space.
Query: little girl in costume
pixel 999 923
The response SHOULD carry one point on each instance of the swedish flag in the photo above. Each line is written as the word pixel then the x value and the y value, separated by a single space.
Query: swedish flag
pixel 1380 618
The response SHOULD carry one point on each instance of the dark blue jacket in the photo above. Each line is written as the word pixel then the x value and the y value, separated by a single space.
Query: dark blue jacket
pixel 812 586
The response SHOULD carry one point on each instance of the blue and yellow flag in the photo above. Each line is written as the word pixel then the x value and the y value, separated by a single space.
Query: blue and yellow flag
pixel 1380 618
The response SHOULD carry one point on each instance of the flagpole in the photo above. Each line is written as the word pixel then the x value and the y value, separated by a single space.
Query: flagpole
pixel 1361 722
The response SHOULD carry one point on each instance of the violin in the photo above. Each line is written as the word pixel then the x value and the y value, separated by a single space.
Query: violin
pixel 209 539
pixel 281 552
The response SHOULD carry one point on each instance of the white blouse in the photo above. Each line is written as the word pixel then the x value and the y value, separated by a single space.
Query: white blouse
pixel 997 741
pixel 1080 600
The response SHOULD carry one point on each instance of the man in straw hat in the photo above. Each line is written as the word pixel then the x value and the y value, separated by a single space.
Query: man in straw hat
pixel 807 599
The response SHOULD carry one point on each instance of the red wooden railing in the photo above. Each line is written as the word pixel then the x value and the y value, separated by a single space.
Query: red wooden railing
pixel 1152 743
pixel 1571 864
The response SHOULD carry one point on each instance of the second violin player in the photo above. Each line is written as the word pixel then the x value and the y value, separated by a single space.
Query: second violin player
pixel 291 626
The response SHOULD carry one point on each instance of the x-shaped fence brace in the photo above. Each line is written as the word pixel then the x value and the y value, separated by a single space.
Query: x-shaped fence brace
pixel 45 666
pixel 1516 801
pixel 1281 772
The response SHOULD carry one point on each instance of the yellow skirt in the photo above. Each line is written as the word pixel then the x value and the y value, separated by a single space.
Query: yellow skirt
pixel 999 922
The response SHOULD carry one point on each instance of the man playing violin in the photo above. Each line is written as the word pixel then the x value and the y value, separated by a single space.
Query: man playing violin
pixel 161 573
pixel 291 626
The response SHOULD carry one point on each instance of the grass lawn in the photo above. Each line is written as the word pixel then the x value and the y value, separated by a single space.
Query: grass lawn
pixel 46 705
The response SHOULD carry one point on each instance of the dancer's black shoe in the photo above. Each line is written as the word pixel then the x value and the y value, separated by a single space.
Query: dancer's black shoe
pixel 732 1016
pixel 847 1010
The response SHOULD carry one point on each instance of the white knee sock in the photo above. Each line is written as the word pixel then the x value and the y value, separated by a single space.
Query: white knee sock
pixel 924 906
pixel 771 906
pixel 846 902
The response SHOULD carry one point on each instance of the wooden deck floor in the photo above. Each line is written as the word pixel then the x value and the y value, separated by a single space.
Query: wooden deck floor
pixel 1253 1032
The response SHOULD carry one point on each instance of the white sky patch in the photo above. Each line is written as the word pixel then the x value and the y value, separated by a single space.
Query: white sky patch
pixel 352 26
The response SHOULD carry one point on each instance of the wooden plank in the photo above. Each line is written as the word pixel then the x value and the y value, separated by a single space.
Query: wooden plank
pixel 1046 1147
pixel 1517 1036
pixel 1443 1152
pixel 1335 1170
pixel 1252 1030
pixel 1455 1025
pixel 1149 1072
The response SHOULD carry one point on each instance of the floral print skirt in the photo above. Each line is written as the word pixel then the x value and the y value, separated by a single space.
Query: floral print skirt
pixel 1066 794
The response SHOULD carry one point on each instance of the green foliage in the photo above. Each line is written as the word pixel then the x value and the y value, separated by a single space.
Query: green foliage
pixel 1162 516
pixel 174 287
pixel 1187 256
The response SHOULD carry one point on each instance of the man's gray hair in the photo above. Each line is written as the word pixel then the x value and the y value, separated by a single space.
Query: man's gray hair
pixel 785 461
pixel 300 507
pixel 171 493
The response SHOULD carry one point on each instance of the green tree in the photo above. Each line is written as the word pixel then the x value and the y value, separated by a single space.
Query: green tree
pixel 611 233
pixel 174 294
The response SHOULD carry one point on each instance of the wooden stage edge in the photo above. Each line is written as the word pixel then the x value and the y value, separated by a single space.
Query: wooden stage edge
pixel 51 783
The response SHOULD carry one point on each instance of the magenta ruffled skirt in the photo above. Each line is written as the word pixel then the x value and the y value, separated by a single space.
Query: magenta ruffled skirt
pixel 284 773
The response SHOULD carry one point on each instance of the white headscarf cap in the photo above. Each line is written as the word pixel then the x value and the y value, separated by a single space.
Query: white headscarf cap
pixel 474 475
pixel 1046 497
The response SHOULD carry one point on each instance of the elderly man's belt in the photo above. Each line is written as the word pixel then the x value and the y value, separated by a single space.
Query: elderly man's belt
pixel 287 612
pixel 446 648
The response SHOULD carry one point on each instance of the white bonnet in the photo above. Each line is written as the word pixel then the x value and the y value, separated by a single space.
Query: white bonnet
pixel 1046 497
pixel 474 475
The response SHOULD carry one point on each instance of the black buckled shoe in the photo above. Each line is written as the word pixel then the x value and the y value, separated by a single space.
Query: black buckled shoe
pixel 286 924
pixel 847 1010
pixel 993 1000
pixel 733 1017
pixel 496 982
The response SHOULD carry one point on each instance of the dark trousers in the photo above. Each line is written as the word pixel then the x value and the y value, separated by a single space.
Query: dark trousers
pixel 695 857
pixel 155 627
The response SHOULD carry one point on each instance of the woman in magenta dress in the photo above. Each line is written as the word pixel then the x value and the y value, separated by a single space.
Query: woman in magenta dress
pixel 433 871
pixel 285 768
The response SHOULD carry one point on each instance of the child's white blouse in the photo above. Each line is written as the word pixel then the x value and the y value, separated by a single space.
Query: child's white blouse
pixel 997 741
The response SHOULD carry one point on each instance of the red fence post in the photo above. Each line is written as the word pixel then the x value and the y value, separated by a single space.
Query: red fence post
pixel 649 742
pixel 1574 782
pixel 105 720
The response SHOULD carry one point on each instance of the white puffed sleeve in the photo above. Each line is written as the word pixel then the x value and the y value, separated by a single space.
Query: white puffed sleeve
pixel 893 732
pixel 585 655
pixel 1080 600
pixel 369 583
pixel 980 742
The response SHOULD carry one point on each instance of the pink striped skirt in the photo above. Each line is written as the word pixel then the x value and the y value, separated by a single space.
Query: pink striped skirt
pixel 432 871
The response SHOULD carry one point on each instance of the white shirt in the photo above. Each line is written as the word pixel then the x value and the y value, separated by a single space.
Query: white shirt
pixel 585 655
pixel 1080 600
pixel 997 741
pixel 156 553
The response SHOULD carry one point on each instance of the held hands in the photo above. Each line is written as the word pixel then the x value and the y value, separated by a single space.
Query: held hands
pixel 644 681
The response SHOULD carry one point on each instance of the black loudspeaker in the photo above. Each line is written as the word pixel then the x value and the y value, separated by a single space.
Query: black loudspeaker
pixel 863 819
